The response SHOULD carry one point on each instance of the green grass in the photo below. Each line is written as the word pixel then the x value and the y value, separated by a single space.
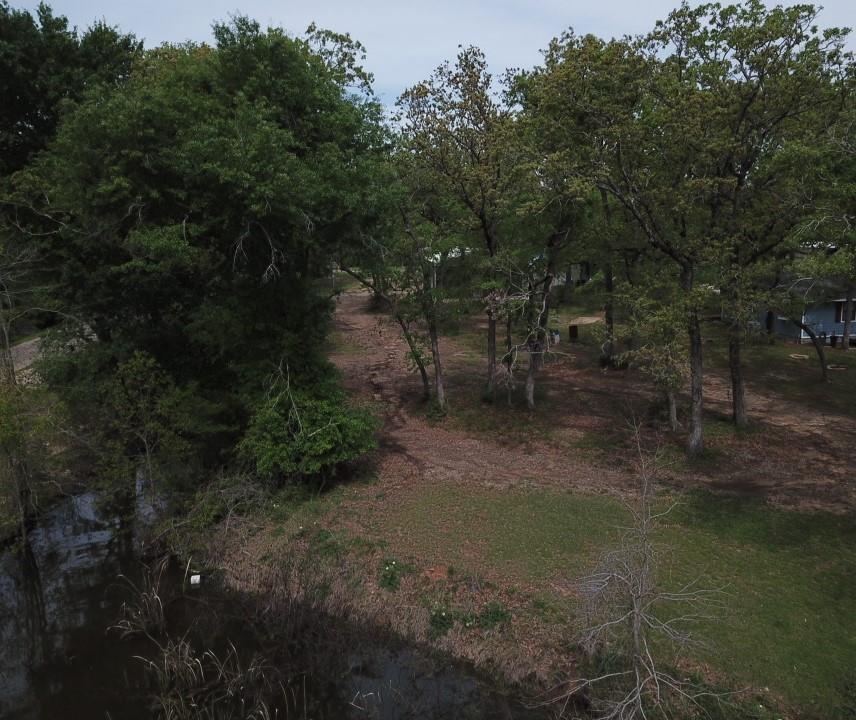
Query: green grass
pixel 789 625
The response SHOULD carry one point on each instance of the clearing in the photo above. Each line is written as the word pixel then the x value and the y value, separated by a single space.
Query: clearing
pixel 466 532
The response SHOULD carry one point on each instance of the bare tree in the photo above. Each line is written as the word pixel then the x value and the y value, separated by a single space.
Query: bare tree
pixel 631 618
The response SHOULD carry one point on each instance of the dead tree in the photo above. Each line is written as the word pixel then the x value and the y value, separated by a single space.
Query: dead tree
pixel 631 617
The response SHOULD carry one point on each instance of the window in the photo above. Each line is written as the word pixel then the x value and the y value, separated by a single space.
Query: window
pixel 839 312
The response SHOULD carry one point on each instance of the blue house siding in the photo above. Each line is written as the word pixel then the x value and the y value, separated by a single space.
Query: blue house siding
pixel 820 318
pixel 786 329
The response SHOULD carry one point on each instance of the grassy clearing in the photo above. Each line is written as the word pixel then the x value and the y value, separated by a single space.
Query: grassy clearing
pixel 789 625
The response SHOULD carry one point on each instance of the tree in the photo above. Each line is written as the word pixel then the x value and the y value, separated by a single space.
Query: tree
pixel 44 66
pixel 653 310
pixel 829 236
pixel 620 119
pixel 765 80
pixel 459 131
pixel 173 234
pixel 636 622
pixel 684 128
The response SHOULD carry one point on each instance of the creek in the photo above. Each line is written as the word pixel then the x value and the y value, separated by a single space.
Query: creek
pixel 63 590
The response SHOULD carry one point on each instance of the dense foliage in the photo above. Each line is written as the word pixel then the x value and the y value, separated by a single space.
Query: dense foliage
pixel 178 250
pixel 180 209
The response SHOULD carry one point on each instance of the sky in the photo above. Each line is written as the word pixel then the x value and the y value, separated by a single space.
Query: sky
pixel 405 40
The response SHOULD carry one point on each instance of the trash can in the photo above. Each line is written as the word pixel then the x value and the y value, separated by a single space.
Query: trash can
pixel 573 333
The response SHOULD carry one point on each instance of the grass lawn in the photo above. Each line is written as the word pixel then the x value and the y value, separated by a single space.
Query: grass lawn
pixel 789 624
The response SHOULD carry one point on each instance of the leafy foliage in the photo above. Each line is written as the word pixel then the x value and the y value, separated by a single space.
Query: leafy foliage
pixel 295 434
pixel 187 215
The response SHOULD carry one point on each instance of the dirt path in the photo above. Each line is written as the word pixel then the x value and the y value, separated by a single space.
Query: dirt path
pixel 796 459
pixel 23 356
pixel 412 447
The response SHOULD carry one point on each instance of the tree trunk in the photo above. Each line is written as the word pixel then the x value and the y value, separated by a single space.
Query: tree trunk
pixel 381 296
pixel 7 364
pixel 695 443
pixel 429 310
pixel 509 360
pixel 738 390
pixel 490 390
pixel 673 410
pixel 568 288
pixel 608 347
pixel 538 339
pixel 848 314
pixel 607 353
pixel 818 347
pixel 439 382
pixel 416 355
pixel 530 380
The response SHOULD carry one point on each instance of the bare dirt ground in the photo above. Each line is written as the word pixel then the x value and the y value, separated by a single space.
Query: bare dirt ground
pixel 794 456
pixel 24 354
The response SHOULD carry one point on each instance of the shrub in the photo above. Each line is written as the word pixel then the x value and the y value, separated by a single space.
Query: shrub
pixel 298 435
pixel 391 572
pixel 441 621
pixel 492 614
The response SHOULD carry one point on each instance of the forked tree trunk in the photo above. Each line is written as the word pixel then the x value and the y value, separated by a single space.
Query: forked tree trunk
pixel 738 390
pixel 818 347
pixel 539 344
pixel 416 355
pixel 848 316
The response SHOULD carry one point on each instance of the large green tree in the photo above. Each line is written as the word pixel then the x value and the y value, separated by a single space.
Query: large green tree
pixel 191 212
pixel 462 133
pixel 45 68
pixel 696 131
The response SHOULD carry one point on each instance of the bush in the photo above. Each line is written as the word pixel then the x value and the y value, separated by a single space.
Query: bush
pixel 301 436
pixel 391 572
pixel 441 621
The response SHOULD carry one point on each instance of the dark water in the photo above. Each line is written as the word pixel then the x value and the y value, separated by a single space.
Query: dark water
pixel 61 594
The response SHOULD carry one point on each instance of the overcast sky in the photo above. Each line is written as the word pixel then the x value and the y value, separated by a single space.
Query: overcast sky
pixel 405 39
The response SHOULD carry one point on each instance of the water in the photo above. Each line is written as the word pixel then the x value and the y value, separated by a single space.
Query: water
pixel 59 597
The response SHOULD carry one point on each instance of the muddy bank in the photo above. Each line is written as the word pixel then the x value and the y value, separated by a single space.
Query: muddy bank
pixel 79 639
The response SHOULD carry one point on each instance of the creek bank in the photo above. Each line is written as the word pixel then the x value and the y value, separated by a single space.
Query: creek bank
pixel 81 566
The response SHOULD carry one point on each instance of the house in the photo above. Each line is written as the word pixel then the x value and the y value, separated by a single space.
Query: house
pixel 825 318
